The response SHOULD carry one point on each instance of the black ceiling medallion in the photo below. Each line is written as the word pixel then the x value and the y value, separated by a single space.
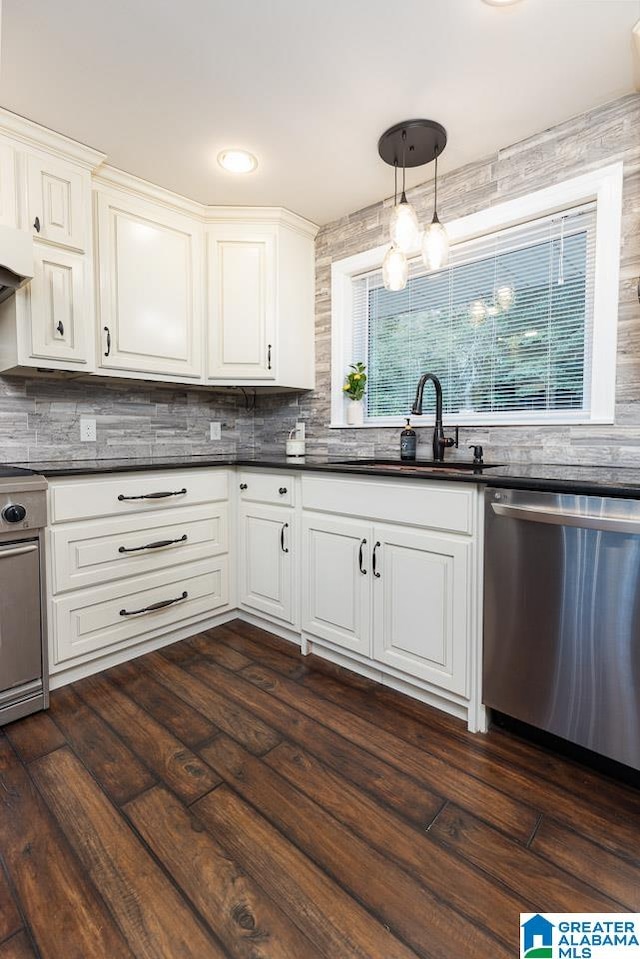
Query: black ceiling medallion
pixel 425 140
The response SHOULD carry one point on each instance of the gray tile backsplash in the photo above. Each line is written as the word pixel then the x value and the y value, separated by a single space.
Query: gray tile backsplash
pixel 40 420
pixel 40 417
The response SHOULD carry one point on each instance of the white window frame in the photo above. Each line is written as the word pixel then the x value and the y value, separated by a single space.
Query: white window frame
pixel 604 186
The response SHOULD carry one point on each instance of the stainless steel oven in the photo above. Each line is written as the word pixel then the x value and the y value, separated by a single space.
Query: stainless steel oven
pixel 23 653
pixel 562 617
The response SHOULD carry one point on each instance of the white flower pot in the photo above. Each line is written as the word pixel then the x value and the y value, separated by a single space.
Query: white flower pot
pixel 355 413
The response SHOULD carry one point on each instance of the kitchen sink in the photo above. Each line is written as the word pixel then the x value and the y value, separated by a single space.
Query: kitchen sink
pixel 425 466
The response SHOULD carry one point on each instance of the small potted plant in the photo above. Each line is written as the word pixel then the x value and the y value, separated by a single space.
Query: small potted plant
pixel 353 389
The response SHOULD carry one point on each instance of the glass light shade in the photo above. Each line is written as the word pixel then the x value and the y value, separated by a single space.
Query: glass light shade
pixel 477 312
pixel 505 296
pixel 395 270
pixel 404 227
pixel 435 246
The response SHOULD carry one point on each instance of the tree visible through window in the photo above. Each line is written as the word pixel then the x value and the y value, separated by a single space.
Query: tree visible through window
pixel 506 327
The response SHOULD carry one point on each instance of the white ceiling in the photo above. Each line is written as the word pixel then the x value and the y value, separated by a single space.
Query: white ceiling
pixel 162 86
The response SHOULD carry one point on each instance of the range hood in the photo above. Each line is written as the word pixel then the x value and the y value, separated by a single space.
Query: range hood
pixel 16 260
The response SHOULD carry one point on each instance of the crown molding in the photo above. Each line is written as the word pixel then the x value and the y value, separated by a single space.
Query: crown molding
pixel 106 176
pixel 261 214
pixel 34 135
pixel 110 176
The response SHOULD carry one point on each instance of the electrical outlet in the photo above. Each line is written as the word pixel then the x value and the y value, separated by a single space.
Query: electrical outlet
pixel 215 431
pixel 301 430
pixel 87 429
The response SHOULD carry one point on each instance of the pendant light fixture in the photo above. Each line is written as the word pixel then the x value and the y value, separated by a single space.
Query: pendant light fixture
pixel 411 143
pixel 435 242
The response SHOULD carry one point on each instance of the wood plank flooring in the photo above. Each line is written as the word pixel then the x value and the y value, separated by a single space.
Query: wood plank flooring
pixel 227 797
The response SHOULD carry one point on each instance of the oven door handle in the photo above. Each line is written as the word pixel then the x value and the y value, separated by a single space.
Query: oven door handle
pixel 17 550
pixel 531 514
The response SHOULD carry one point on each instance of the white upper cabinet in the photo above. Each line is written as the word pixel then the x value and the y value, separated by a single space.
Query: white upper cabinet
pixel 150 280
pixel 60 305
pixel 8 192
pixel 58 197
pixel 45 190
pixel 242 302
pixel 260 299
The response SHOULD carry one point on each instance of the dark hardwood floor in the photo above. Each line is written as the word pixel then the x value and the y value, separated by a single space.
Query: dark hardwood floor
pixel 228 797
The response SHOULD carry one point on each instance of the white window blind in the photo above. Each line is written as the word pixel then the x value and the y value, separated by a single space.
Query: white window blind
pixel 507 326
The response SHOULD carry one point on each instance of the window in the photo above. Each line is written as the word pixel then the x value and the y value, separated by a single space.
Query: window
pixel 511 326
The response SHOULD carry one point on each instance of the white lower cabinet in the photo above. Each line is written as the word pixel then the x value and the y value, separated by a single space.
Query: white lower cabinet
pixel 420 605
pixel 267 558
pixel 104 619
pixel 336 581
pixel 131 558
pixel 396 598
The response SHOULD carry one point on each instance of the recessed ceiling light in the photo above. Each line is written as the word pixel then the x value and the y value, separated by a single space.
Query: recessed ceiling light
pixel 501 3
pixel 237 161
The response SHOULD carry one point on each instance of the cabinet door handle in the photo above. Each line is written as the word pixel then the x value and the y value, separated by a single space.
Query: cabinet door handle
pixel 160 495
pixel 156 545
pixel 108 332
pixel 154 606
pixel 243 486
pixel 36 224
pixel 375 571
pixel 282 546
pixel 60 327
pixel 282 490
pixel 363 543
pixel 269 357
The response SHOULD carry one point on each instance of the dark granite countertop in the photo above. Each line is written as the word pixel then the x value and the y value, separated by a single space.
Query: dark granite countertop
pixel 595 480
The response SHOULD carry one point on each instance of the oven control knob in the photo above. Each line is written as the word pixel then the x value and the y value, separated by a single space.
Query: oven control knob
pixel 14 513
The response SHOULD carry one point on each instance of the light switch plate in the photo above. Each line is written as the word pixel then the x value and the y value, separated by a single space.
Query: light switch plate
pixel 301 430
pixel 215 431
pixel 88 432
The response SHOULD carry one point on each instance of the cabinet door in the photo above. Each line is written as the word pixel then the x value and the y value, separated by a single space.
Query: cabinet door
pixel 267 557
pixel 59 306
pixel 8 208
pixel 58 194
pixel 421 605
pixel 336 584
pixel 241 303
pixel 150 303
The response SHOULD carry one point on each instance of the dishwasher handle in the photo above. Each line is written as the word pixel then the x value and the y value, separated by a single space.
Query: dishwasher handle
pixel 533 514
pixel 17 550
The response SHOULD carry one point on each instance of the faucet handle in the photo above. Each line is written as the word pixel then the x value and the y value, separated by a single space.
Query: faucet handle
pixel 477 454
pixel 450 441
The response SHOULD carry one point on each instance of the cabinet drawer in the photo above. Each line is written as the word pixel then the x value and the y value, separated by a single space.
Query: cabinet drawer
pixel 99 551
pixel 89 623
pixel 124 494
pixel 430 505
pixel 274 488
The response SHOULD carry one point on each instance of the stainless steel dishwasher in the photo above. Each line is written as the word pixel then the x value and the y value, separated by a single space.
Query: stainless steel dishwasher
pixel 24 684
pixel 562 617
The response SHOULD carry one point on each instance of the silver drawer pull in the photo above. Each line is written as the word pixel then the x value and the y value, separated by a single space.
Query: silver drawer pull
pixel 160 495
pixel 158 545
pixel 154 606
